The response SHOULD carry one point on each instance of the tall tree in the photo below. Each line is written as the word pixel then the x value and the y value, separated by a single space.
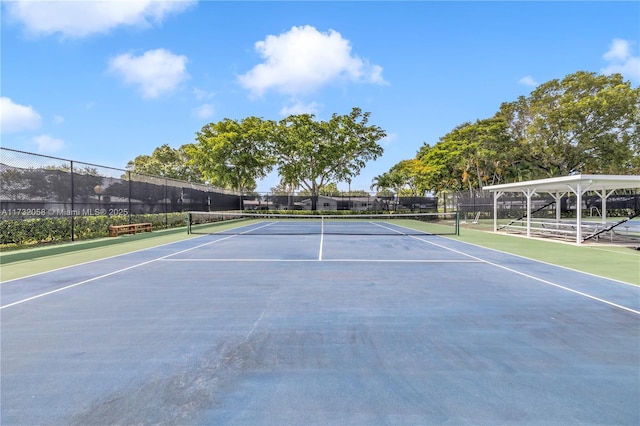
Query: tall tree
pixel 312 153
pixel 444 162
pixel 394 180
pixel 488 152
pixel 382 183
pixel 234 154
pixel 584 123
pixel 166 162
pixel 406 177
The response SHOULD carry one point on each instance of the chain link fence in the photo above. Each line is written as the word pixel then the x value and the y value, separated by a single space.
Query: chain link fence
pixel 47 199
pixel 478 204
pixel 340 202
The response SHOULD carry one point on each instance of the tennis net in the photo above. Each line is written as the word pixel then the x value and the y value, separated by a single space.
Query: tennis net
pixel 241 223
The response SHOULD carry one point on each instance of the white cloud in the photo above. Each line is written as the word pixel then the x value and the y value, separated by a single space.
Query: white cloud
pixel 57 119
pixel 621 60
pixel 390 139
pixel 528 81
pixel 48 144
pixel 204 111
pixel 81 18
pixel 630 69
pixel 299 108
pixel 620 50
pixel 15 117
pixel 304 59
pixel 155 73
pixel 202 94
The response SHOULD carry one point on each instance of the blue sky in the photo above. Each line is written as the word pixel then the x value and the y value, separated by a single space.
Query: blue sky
pixel 104 82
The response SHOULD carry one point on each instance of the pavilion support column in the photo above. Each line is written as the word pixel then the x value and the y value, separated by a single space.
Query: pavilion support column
pixel 579 213
pixel 557 197
pixel 496 195
pixel 529 193
pixel 579 190
pixel 603 196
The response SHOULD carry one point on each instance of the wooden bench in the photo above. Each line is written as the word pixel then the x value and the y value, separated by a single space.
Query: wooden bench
pixel 132 228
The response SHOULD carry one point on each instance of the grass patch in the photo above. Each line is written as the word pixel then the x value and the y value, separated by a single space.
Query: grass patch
pixel 24 262
pixel 618 263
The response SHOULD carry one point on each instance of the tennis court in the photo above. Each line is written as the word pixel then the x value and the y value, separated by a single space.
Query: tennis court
pixel 300 322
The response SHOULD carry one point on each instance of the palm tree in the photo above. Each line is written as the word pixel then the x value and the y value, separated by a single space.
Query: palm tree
pixel 389 181
pixel 380 182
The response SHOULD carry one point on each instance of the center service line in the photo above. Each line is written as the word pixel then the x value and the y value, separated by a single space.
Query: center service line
pixel 321 242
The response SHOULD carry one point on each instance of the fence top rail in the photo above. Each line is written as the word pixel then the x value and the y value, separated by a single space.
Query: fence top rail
pixel 129 173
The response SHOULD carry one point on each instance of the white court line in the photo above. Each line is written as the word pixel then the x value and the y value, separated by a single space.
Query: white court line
pixel 117 255
pixel 74 285
pixel 123 269
pixel 96 260
pixel 321 244
pixel 37 296
pixel 587 295
pixel 546 263
pixel 327 260
pixel 630 253
pixel 476 260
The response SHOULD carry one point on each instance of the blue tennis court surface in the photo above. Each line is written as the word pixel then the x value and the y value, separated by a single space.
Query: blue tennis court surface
pixel 319 329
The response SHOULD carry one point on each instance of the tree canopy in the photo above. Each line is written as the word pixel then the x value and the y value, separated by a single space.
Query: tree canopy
pixel 234 154
pixel 311 154
pixel 167 162
pixel 308 154
pixel 583 123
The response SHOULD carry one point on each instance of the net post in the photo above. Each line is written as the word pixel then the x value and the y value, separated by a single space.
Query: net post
pixel 457 223
pixel 188 223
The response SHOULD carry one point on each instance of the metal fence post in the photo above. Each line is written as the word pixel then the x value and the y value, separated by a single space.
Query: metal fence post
pixel 130 194
pixel 166 196
pixel 73 196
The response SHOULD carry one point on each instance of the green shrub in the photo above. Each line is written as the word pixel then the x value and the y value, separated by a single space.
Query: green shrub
pixel 31 232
